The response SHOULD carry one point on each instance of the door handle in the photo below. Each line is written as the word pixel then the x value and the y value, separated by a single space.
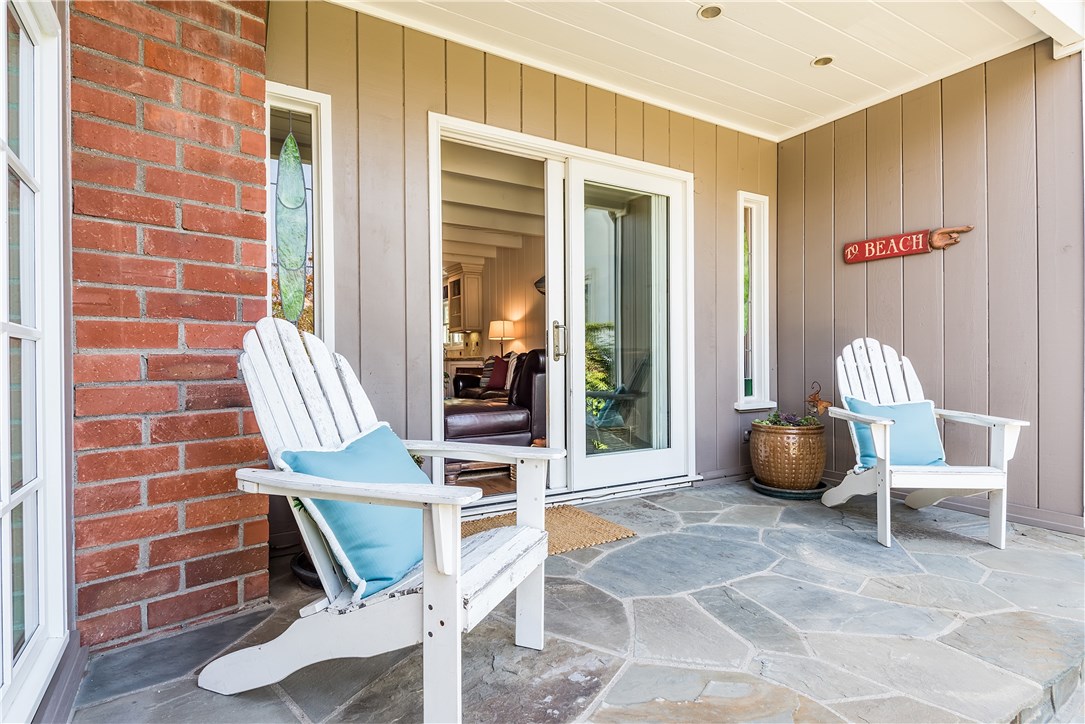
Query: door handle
pixel 562 349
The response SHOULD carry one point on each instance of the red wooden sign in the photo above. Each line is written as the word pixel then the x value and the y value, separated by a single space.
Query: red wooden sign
pixel 913 242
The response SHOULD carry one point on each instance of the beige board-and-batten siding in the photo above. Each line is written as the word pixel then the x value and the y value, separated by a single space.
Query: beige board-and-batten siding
pixel 383 80
pixel 993 324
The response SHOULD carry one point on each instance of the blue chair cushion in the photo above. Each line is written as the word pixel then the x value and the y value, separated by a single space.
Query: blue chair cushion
pixel 914 435
pixel 375 544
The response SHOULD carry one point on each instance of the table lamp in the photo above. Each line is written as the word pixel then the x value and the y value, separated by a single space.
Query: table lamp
pixel 501 331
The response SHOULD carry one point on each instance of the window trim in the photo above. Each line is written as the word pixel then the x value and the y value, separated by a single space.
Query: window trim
pixel 24 684
pixel 760 311
pixel 319 106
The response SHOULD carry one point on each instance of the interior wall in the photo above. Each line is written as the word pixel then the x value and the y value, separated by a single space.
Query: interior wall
pixel 993 324
pixel 508 292
pixel 383 79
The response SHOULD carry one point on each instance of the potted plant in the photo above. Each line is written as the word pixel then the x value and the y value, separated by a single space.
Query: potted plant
pixel 788 451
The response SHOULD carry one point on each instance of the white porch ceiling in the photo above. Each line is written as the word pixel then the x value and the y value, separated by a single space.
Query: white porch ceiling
pixel 750 68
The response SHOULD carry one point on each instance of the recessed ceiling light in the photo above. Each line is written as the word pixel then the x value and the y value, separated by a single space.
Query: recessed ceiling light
pixel 709 12
pixel 821 61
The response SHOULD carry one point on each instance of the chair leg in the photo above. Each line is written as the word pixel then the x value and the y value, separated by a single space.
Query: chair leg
pixel 442 666
pixel 997 533
pixel 529 610
pixel 884 532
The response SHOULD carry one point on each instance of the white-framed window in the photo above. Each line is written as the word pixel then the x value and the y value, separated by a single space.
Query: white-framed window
pixel 34 545
pixel 307 115
pixel 754 313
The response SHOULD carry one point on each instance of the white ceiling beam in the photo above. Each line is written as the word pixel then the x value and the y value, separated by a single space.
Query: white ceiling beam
pixel 478 236
pixel 492 219
pixel 447 259
pixel 491 194
pixel 1063 20
pixel 484 163
pixel 461 247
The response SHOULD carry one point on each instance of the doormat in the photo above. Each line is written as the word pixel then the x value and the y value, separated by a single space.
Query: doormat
pixel 569 527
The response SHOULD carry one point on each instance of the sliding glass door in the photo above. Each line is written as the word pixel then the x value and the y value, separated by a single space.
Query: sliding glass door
pixel 628 319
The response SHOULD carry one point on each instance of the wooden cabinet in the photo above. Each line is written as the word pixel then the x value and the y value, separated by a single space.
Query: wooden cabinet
pixel 463 291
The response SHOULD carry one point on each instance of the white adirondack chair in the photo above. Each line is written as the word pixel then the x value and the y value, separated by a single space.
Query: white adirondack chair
pixel 871 371
pixel 306 397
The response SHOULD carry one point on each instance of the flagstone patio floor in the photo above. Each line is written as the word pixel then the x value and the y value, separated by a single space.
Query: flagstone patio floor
pixel 726 606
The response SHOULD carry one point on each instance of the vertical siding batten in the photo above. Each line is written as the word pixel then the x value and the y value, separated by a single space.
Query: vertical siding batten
pixel 330 28
pixel 728 306
pixel 965 289
pixel 885 284
pixel 921 144
pixel 790 310
pixel 850 290
pixel 423 91
pixel 1061 269
pixel 1012 221
pixel 706 302
pixel 818 273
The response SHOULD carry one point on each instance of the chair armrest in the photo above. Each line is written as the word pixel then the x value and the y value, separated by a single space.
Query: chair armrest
pixel 463 382
pixel 842 414
pixel 972 418
pixel 277 482
pixel 506 454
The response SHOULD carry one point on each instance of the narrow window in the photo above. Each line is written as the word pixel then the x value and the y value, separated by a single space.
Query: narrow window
pixel 298 214
pixel 753 341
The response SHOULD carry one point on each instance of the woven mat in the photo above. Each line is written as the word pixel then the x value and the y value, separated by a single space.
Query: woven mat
pixel 569 528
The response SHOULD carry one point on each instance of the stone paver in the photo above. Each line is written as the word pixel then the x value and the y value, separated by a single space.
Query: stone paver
pixel 813 677
pixel 931 672
pixel 854 553
pixel 959 567
pixel 675 629
pixel 935 592
pixel 898 709
pixel 1063 567
pixel 659 693
pixel 809 607
pixel 727 606
pixel 675 563
pixel 752 621
pixel 756 516
pixel 1039 594
pixel 1040 648
pixel 804 572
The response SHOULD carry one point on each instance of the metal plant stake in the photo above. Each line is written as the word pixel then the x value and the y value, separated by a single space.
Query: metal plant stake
pixel 291 229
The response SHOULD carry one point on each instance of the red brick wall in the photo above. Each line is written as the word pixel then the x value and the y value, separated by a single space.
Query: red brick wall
pixel 168 265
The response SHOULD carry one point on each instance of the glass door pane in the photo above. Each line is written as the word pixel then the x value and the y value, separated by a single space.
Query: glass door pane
pixel 625 315
pixel 627 326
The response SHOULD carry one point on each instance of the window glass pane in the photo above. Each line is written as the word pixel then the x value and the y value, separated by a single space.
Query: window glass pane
pixel 626 320
pixel 290 219
pixel 747 337
pixel 20 251
pixel 20 89
pixel 24 573
pixel 23 395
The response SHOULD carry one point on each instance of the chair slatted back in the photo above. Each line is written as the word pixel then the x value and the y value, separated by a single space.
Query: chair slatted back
pixel 303 396
pixel 869 370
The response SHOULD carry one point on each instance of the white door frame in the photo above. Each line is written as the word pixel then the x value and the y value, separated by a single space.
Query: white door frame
pixel 444 127
pixel 595 471
pixel 24 683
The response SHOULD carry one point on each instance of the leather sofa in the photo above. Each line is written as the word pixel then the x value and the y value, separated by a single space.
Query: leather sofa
pixel 517 420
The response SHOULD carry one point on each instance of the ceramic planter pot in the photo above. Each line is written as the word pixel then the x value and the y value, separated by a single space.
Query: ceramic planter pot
pixel 792 458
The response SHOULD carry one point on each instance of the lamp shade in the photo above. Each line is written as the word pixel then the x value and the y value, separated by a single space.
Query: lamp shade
pixel 501 329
